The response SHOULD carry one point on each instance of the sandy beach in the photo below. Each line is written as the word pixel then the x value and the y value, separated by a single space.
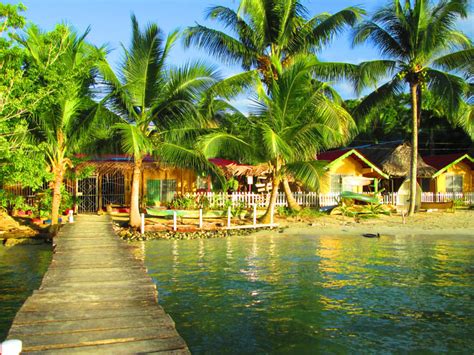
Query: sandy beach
pixel 460 222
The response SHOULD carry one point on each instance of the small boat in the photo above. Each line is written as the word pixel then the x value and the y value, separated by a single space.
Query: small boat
pixel 360 197
pixel 371 235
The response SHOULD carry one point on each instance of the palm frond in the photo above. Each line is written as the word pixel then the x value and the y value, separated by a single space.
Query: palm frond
pixel 228 49
pixel 387 43
pixel 378 97
pixel 448 88
pixel 309 173
pixel 134 141
pixel 332 26
pixel 461 61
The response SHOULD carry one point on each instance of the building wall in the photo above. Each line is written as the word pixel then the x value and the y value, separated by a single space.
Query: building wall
pixel 185 179
pixel 348 166
pixel 459 169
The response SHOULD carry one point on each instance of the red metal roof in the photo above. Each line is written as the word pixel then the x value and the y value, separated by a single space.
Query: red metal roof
pixel 441 161
pixel 332 154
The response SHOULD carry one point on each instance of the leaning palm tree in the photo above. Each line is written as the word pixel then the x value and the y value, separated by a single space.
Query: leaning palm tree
pixel 262 31
pixel 294 118
pixel 425 51
pixel 62 63
pixel 156 105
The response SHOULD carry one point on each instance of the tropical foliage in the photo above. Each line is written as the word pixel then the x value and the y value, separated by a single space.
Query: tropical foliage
pixel 156 106
pixel 293 118
pixel 59 95
pixel 424 50
pixel 62 63
pixel 265 31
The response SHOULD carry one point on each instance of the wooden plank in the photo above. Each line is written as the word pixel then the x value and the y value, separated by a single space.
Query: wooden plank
pixel 59 315
pixel 118 284
pixel 20 331
pixel 169 346
pixel 70 340
pixel 96 297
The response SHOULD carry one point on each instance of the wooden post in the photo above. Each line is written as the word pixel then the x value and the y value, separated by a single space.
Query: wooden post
pixel 254 214
pixel 142 225
pixel 200 218
pixel 175 220
pixel 229 214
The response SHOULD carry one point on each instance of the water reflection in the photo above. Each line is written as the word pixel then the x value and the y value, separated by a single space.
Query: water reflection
pixel 318 293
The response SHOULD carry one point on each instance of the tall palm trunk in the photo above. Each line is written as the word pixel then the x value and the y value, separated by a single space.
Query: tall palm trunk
pixel 135 195
pixel 292 204
pixel 414 146
pixel 266 218
pixel 58 171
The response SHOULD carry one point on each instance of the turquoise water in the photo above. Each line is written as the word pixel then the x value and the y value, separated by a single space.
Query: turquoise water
pixel 310 294
pixel 21 271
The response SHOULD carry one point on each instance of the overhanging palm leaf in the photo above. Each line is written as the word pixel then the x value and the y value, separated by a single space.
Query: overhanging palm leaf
pixel 309 173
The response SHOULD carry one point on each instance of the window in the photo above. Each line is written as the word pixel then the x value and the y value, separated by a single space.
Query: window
pixel 453 183
pixel 160 191
pixel 338 185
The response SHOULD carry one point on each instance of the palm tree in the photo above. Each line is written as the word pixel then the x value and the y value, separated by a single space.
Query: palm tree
pixel 419 41
pixel 156 105
pixel 263 31
pixel 294 117
pixel 270 33
pixel 63 63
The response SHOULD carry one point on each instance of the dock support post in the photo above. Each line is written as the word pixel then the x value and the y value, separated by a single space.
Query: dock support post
pixel 142 224
pixel 228 216
pixel 255 215
pixel 200 218
pixel 175 221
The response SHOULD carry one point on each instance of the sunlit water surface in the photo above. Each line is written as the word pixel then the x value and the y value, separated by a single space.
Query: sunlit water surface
pixel 310 294
pixel 21 271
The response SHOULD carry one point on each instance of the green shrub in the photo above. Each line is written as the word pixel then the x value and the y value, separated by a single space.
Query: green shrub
pixel 11 202
pixel 181 202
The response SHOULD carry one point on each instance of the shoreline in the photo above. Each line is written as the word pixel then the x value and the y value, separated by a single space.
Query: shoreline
pixel 460 222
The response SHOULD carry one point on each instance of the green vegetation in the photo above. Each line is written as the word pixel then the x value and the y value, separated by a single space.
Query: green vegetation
pixel 59 96
pixel 422 48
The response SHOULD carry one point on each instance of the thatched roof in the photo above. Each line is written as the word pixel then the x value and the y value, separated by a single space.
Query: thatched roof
pixel 246 170
pixel 232 168
pixel 394 159
pixel 111 167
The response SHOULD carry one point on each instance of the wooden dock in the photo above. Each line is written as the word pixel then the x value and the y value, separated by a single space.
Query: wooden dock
pixel 95 298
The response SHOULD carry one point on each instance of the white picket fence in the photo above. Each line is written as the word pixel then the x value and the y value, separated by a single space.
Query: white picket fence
pixel 310 199
pixel 466 197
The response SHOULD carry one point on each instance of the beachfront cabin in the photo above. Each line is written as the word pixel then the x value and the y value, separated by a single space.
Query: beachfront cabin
pixel 349 170
pixel 394 160
pixel 111 183
pixel 454 173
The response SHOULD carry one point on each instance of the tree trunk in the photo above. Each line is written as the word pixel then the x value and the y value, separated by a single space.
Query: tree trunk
pixel 135 195
pixel 58 181
pixel 414 146
pixel 266 218
pixel 292 204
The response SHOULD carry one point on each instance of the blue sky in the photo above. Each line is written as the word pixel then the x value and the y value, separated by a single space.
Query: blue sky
pixel 110 24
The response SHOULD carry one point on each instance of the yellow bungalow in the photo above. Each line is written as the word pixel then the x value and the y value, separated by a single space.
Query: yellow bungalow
pixel 455 173
pixel 349 170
